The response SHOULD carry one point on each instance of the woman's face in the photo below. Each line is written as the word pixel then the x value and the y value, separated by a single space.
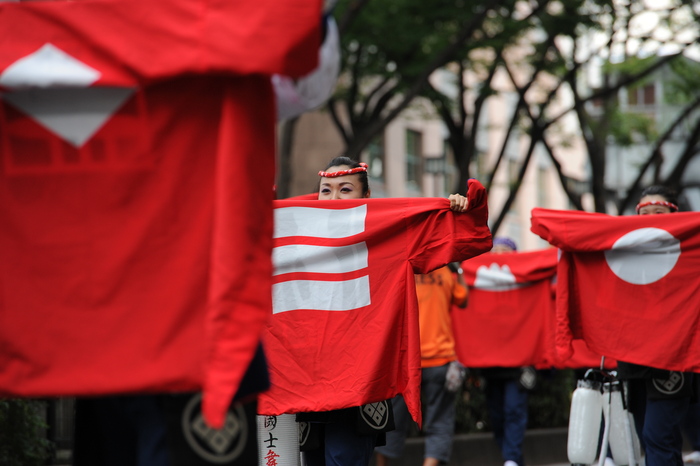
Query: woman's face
pixel 653 209
pixel 341 187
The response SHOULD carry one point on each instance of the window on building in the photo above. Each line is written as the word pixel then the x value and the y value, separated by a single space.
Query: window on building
pixel 375 158
pixel 649 94
pixel 597 102
pixel 513 175
pixel 541 187
pixel 513 172
pixel 644 95
pixel 414 154
pixel 451 169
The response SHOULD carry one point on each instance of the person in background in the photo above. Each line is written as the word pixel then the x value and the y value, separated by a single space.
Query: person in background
pixel 338 436
pixel 659 414
pixel 335 438
pixel 441 372
pixel 132 430
pixel 506 390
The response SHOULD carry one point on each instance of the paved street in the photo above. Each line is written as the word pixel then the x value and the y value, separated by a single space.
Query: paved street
pixel 542 447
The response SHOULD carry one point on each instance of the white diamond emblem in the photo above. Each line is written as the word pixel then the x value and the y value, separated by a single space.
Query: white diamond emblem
pixel 74 115
pixel 48 67
pixel 54 89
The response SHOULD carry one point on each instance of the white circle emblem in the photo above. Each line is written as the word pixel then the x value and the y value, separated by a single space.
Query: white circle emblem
pixel 644 256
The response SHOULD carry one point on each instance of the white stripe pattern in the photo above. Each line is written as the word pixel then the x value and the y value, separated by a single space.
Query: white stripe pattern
pixel 319 259
pixel 322 295
pixel 319 223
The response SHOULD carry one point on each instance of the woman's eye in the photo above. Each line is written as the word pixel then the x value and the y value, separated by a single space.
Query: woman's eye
pixel 345 190
pixel 325 190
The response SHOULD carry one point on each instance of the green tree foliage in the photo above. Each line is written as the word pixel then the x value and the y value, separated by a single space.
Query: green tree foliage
pixel 683 86
pixel 471 414
pixel 22 433
pixel 392 47
pixel 389 52
pixel 627 128
pixel 550 402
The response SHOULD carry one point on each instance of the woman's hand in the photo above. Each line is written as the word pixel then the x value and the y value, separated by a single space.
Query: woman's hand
pixel 458 203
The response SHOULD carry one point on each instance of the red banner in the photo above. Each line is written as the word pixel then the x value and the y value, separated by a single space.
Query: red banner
pixel 134 42
pixel 510 320
pixel 627 286
pixel 506 319
pixel 345 325
pixel 137 143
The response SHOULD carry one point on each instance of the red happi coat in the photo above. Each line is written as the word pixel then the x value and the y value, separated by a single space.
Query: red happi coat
pixel 345 325
pixel 627 286
pixel 506 319
pixel 136 142
pixel 509 320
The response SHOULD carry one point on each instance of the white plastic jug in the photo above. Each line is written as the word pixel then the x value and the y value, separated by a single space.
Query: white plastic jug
pixel 622 429
pixel 584 422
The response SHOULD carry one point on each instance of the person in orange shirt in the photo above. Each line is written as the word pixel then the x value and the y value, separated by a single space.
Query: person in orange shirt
pixel 437 292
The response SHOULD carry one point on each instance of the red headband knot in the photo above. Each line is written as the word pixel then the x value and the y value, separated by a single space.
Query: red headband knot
pixel 350 171
pixel 670 205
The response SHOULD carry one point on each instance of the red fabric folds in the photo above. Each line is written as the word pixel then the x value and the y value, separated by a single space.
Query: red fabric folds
pixel 510 303
pixel 131 41
pixel 510 317
pixel 345 325
pixel 136 258
pixel 627 285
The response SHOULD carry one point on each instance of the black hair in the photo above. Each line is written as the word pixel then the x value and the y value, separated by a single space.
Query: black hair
pixel 364 181
pixel 658 190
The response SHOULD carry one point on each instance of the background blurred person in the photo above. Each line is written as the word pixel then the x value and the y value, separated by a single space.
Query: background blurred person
pixel 506 390
pixel 442 374
pixel 659 413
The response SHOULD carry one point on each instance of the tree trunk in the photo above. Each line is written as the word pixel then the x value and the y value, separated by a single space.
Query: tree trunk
pixel 285 173
pixel 460 147
pixel 374 127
